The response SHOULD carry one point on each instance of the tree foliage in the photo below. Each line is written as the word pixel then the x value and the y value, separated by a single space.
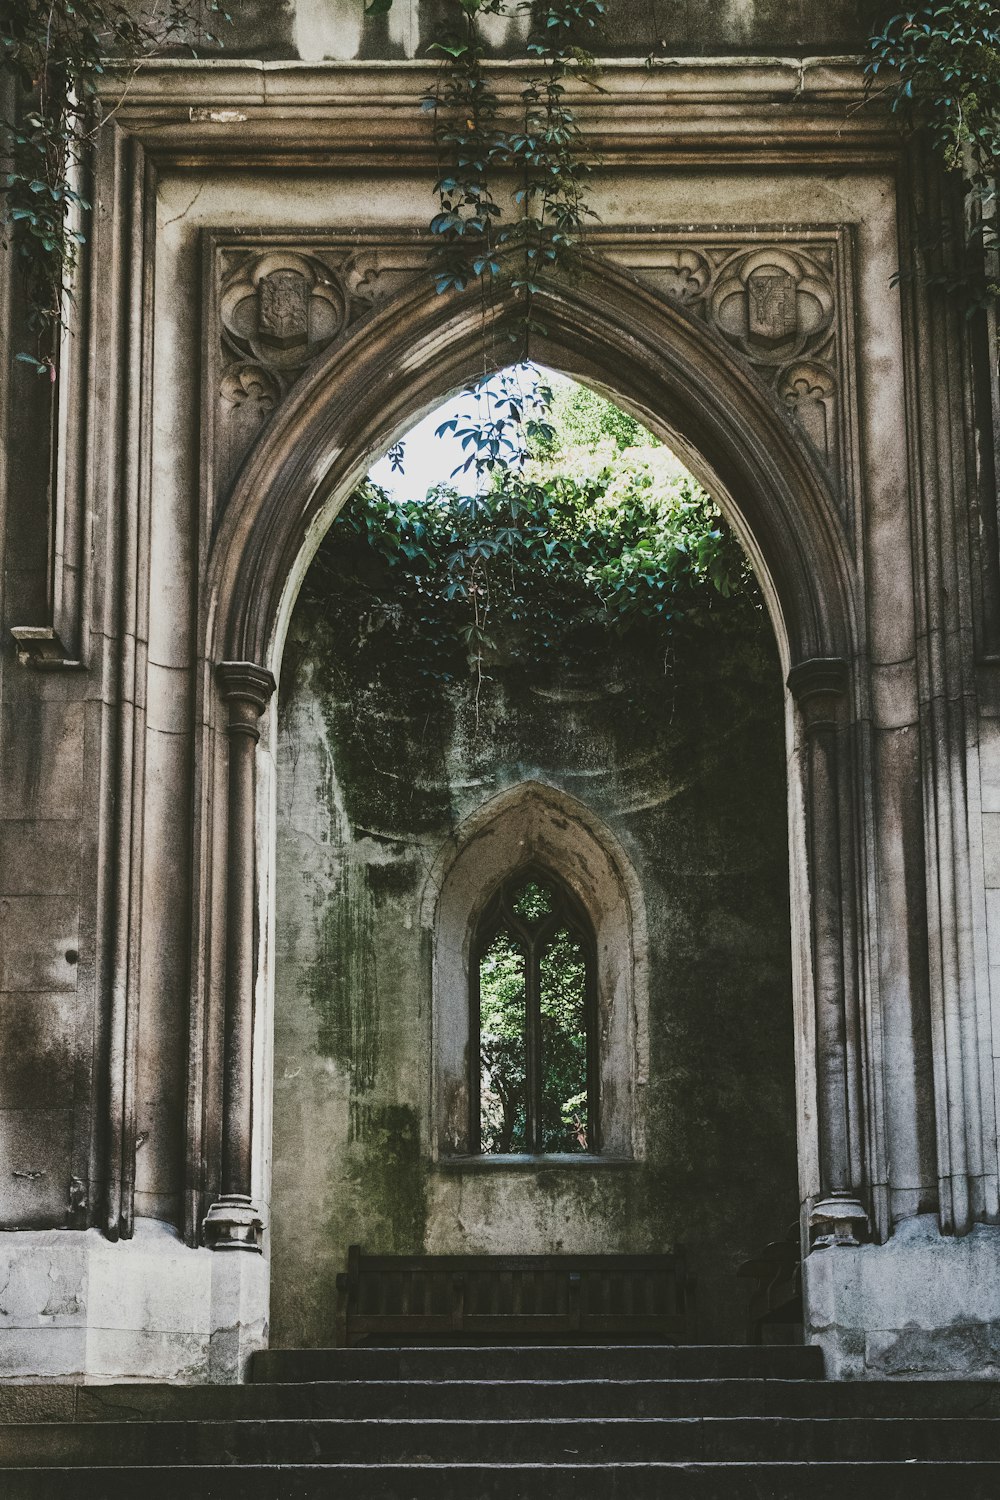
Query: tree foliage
pixel 562 1002
pixel 584 540
pixel 562 995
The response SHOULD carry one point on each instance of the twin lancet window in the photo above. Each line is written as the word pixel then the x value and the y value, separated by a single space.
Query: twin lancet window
pixel 533 1003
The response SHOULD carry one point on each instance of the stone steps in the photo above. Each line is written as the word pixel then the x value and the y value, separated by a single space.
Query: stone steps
pixel 549 1423
pixel 757 1481
pixel 542 1362
pixel 483 1400
pixel 576 1440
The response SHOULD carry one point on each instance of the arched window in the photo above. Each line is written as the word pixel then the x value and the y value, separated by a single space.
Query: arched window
pixel 560 969
pixel 535 1072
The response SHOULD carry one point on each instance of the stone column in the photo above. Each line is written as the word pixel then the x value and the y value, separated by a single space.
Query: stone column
pixel 233 1222
pixel 820 689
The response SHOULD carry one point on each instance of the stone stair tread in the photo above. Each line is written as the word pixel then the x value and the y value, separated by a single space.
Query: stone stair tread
pixel 315 1398
pixel 280 1365
pixel 707 1436
pixel 445 1481
pixel 589 1439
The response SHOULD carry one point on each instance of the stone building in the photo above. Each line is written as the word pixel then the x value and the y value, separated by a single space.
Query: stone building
pixel 228 1005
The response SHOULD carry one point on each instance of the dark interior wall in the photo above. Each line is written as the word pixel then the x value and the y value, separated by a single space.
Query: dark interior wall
pixel 685 765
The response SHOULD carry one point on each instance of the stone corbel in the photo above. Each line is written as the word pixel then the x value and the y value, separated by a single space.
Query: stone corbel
pixel 820 687
pixel 233 1222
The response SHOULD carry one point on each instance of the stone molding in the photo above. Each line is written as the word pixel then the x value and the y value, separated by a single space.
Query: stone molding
pixel 781 296
pixel 233 1221
pixel 821 675
pixel 772 109
pixel 248 689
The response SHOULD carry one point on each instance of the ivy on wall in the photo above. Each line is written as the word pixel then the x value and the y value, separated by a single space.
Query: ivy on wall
pixel 541 153
pixel 56 50
pixel 938 66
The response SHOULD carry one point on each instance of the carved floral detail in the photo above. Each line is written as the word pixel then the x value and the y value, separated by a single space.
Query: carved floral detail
pixel 281 309
pixel 684 275
pixel 776 305
pixel 773 304
pixel 249 383
pixel 809 391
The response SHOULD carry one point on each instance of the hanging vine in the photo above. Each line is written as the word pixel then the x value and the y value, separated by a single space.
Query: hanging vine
pixel 542 154
pixel 512 207
pixel 57 52
pixel 938 67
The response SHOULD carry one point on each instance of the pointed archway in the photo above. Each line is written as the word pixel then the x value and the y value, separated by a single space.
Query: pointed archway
pixel 689 387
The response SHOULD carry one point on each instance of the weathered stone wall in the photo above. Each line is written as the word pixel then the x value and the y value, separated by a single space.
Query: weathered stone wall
pixel 687 771
pixel 148 567
pixel 339 30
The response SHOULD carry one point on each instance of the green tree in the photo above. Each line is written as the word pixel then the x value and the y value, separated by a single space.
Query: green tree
pixel 559 549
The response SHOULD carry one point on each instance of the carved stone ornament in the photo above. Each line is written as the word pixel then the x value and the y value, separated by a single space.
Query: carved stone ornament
pixel 838 1220
pixel 279 307
pixel 777 303
pixel 685 275
pixel 782 307
pixel 773 304
pixel 809 391
pixel 234 1223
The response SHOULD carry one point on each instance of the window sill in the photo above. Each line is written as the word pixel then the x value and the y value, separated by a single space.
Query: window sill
pixel 552 1161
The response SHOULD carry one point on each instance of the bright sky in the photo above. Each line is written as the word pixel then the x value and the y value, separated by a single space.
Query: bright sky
pixel 429 459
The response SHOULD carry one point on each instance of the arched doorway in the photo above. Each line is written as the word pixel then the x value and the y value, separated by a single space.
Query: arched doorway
pixel 651 834
pixel 684 383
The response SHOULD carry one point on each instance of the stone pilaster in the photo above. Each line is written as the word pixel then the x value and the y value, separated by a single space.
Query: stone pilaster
pixel 233 1221
pixel 819 687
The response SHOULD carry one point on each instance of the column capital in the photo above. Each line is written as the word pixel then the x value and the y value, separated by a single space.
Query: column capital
pixel 819 676
pixel 243 682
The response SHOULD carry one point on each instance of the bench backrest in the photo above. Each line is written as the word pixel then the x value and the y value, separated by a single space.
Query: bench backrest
pixel 496 1297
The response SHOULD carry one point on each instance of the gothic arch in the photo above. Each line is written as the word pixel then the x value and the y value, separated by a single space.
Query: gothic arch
pixel 654 357
pixel 686 383
pixel 534 825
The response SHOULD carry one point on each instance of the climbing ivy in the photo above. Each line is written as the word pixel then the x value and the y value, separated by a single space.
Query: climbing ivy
pixel 541 154
pixel 57 51
pixel 938 67
pixel 511 210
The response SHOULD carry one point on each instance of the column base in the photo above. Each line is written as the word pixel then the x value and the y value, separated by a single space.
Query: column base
pixel 837 1220
pixel 922 1306
pixel 234 1223
pixel 78 1308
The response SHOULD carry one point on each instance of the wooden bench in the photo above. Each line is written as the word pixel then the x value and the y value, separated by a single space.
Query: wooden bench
pixel 496 1298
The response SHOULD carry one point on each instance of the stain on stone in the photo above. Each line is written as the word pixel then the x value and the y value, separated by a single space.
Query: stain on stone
pixel 687 768
pixel 391 1171
pixel 342 982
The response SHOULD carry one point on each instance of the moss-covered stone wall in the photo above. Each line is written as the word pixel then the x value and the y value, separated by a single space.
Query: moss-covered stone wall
pixel 683 759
